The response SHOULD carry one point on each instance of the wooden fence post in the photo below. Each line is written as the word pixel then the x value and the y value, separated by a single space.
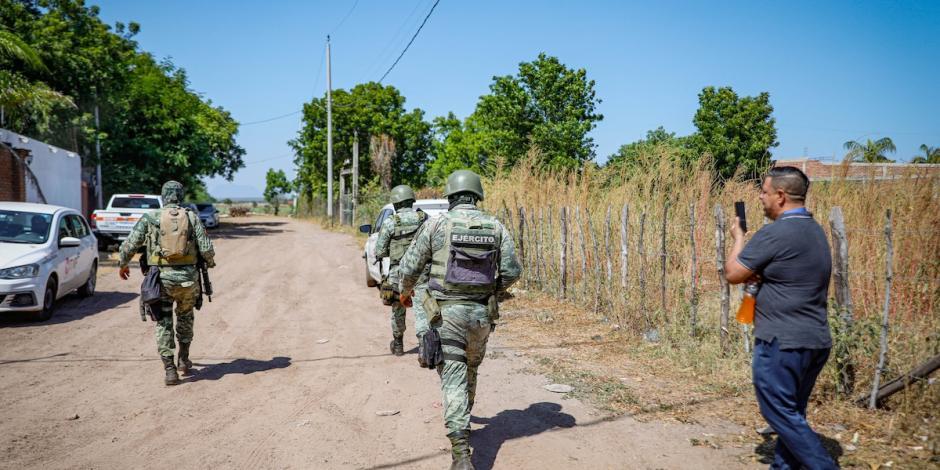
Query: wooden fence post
pixel 583 251
pixel 597 264
pixel 539 258
pixel 662 254
pixel 550 248
pixel 521 238
pixel 840 248
pixel 641 250
pixel 624 221
pixel 889 273
pixel 693 293
pixel 610 262
pixel 563 252
pixel 720 261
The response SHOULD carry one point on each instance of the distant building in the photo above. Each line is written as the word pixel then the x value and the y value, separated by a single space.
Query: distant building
pixel 33 171
pixel 818 170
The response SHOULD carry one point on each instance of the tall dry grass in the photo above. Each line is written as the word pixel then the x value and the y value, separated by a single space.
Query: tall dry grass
pixel 660 185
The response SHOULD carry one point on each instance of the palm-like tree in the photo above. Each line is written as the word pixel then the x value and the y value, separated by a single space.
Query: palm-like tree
pixel 931 155
pixel 16 91
pixel 870 152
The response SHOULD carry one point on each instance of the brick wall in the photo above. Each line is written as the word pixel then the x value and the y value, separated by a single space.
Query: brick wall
pixel 818 170
pixel 12 176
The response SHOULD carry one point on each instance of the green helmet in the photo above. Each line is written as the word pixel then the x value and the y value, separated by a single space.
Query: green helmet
pixel 464 181
pixel 172 192
pixel 402 193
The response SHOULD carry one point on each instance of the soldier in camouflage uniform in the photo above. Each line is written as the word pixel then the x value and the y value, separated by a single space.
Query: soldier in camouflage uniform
pixel 395 235
pixel 472 259
pixel 179 277
pixel 422 322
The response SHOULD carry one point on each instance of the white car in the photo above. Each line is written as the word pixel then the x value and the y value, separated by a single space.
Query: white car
pixel 46 252
pixel 374 270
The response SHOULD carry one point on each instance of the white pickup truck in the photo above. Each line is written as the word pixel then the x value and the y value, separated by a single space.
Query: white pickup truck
pixel 114 224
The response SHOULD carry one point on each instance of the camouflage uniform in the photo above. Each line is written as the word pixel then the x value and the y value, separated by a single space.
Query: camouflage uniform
pixel 422 322
pixel 180 283
pixel 405 216
pixel 465 320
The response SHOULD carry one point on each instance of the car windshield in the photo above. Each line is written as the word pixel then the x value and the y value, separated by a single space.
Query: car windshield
pixel 24 227
pixel 204 207
pixel 135 203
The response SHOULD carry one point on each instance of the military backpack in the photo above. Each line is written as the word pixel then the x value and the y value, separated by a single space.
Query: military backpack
pixel 175 239
pixel 468 263
pixel 405 230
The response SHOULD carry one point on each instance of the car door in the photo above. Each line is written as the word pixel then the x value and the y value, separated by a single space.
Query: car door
pixel 86 251
pixel 376 269
pixel 66 258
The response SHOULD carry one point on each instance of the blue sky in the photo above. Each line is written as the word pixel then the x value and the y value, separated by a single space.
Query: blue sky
pixel 835 70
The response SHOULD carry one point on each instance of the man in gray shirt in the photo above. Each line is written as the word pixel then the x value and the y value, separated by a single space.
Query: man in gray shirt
pixel 790 259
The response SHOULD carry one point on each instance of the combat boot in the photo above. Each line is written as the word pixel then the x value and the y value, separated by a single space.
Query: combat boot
pixel 171 377
pixel 460 450
pixel 397 346
pixel 184 365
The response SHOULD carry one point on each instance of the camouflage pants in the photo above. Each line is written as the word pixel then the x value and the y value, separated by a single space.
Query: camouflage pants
pixel 470 325
pixel 184 296
pixel 398 319
pixel 421 317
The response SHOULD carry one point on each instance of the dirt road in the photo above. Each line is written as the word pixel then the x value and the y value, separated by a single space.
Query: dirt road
pixel 293 371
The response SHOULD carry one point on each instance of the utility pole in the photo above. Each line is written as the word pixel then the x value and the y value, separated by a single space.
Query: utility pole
pixel 329 136
pixel 98 189
pixel 355 175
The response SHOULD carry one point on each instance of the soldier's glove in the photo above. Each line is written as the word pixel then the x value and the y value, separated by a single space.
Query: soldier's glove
pixel 405 299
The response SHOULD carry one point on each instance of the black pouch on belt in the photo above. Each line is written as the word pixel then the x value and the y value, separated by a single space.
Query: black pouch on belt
pixel 431 349
pixel 150 290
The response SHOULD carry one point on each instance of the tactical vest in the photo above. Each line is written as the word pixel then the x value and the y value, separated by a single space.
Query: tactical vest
pixel 467 265
pixel 174 241
pixel 405 229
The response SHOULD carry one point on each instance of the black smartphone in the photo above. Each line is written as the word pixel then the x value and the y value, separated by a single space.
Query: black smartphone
pixel 739 212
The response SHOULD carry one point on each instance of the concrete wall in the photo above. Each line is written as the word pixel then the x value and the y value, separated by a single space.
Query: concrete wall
pixel 58 171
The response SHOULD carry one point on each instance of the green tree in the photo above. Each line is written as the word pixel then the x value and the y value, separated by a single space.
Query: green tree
pixel 738 132
pixel 869 152
pixel 457 145
pixel 17 92
pixel 153 126
pixel 367 109
pixel 276 186
pixel 546 107
pixel 931 155
pixel 656 139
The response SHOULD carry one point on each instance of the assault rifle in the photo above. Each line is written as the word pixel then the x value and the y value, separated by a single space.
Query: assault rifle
pixel 205 285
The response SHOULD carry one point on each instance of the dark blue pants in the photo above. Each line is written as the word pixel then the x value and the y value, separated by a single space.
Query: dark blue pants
pixel 784 380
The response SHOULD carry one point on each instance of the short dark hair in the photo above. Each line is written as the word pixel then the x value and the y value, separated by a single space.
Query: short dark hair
pixel 791 180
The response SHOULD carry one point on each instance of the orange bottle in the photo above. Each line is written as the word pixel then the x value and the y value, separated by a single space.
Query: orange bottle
pixel 746 310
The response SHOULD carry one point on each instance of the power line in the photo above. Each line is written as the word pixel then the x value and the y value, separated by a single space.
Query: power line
pixel 269 159
pixel 388 44
pixel 344 18
pixel 275 118
pixel 411 41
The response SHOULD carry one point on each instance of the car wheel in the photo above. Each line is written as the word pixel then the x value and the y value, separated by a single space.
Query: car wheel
pixel 48 301
pixel 369 281
pixel 88 288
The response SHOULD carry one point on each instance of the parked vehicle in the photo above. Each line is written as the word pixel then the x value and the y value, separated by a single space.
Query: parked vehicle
pixel 375 271
pixel 114 224
pixel 46 252
pixel 208 214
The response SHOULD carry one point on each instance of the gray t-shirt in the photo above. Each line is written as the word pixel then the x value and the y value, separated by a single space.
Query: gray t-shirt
pixel 792 256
